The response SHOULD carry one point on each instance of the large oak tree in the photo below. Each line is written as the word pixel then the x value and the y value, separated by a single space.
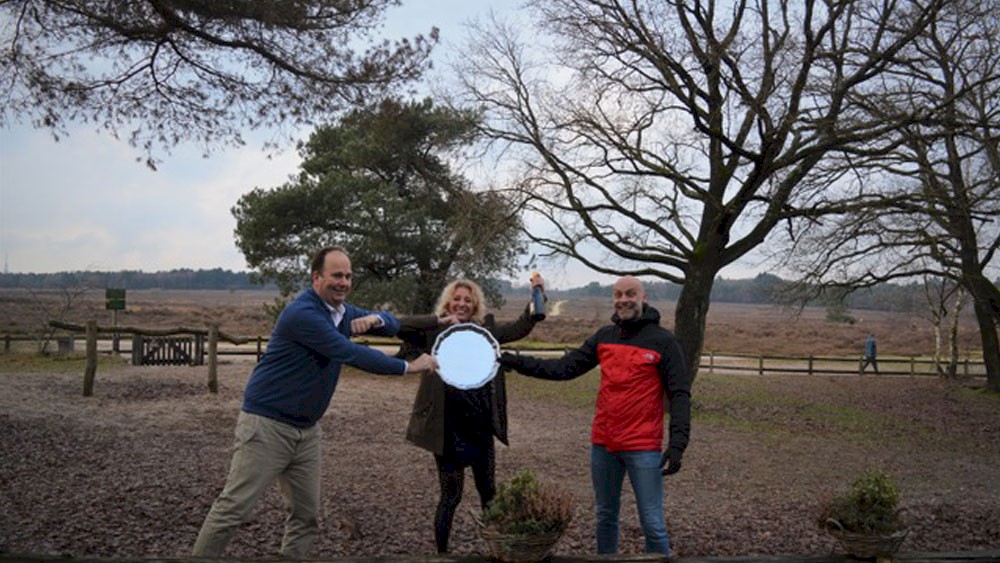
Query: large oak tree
pixel 669 138
pixel 379 183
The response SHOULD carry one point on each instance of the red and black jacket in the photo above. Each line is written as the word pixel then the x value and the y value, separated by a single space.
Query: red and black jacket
pixel 641 362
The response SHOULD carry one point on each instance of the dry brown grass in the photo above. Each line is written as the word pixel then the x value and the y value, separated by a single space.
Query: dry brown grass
pixel 731 328
pixel 770 330
pixel 238 311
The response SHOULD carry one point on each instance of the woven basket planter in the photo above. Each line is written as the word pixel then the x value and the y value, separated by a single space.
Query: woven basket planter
pixel 866 546
pixel 517 548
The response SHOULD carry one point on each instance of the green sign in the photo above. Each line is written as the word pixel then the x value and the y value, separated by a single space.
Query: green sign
pixel 114 299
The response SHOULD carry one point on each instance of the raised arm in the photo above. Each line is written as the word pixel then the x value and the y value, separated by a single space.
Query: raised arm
pixel 522 326
pixel 514 330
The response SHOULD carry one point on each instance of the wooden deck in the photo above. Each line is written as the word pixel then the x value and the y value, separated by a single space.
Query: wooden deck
pixel 988 556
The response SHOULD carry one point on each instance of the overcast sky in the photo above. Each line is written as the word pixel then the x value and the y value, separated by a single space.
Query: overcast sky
pixel 85 203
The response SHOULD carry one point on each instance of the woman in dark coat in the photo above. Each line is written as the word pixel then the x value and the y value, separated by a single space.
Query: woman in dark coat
pixel 458 425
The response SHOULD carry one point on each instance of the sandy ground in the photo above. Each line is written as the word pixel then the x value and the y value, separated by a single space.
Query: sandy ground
pixel 133 470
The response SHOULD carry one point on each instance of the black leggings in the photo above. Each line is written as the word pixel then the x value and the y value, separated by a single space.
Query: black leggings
pixel 451 475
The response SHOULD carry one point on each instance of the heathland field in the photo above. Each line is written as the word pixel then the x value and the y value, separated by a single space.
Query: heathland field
pixel 731 328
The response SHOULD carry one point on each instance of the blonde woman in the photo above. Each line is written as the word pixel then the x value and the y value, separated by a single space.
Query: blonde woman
pixel 458 425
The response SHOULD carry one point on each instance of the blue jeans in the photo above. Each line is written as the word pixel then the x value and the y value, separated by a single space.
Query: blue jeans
pixel 607 471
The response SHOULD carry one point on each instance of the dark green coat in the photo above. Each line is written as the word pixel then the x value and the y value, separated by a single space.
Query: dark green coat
pixel 426 427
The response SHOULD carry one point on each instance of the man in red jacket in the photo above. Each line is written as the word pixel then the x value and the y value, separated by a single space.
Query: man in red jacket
pixel 641 362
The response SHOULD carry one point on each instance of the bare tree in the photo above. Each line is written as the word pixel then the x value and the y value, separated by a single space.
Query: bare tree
pixel 45 311
pixel 670 138
pixel 936 195
pixel 201 70
pixel 945 301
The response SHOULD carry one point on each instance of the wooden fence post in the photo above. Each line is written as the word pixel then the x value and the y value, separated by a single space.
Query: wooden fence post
pixel 91 368
pixel 6 344
pixel 137 345
pixel 711 362
pixel 198 356
pixel 259 340
pixel 760 365
pixel 810 364
pixel 913 366
pixel 213 358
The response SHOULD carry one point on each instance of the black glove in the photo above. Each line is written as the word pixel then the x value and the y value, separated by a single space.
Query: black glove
pixel 672 460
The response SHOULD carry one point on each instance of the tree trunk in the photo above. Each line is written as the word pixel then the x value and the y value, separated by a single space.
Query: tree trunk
pixel 937 346
pixel 991 346
pixel 691 314
pixel 986 301
pixel 90 369
pixel 953 332
pixel 213 358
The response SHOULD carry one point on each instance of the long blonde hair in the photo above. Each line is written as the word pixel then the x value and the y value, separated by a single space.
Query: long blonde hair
pixel 441 309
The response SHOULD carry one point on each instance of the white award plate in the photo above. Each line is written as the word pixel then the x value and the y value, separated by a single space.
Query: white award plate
pixel 468 356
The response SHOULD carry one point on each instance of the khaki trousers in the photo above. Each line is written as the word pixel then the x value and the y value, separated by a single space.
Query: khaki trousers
pixel 265 450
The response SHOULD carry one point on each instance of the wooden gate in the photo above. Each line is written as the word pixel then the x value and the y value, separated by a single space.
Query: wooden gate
pixel 168 350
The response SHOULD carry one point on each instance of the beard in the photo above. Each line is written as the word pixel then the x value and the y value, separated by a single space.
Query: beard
pixel 629 312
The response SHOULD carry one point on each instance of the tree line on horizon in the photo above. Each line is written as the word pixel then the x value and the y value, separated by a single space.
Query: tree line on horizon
pixel 182 278
pixel 761 289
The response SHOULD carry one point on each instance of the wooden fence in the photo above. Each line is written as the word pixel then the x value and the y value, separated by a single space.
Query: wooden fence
pixel 172 342
pixel 193 346
pixel 723 363
pixel 713 362
pixel 168 350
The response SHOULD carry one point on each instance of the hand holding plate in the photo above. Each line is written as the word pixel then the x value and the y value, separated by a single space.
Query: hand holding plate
pixel 423 363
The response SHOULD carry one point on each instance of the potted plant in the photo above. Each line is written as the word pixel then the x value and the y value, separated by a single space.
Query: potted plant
pixel 525 519
pixel 866 519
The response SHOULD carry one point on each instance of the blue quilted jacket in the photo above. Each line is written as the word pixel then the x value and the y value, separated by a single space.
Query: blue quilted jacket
pixel 297 375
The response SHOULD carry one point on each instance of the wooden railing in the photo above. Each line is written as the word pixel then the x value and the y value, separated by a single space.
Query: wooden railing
pixel 91 329
pixel 711 362
pixel 714 362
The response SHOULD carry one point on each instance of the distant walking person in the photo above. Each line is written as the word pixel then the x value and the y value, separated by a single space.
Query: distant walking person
pixel 277 432
pixel 870 354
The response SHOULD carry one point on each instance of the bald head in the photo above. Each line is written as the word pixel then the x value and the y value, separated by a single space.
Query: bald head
pixel 628 297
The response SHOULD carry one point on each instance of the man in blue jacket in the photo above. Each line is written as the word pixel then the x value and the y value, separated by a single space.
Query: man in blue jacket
pixel 277 435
